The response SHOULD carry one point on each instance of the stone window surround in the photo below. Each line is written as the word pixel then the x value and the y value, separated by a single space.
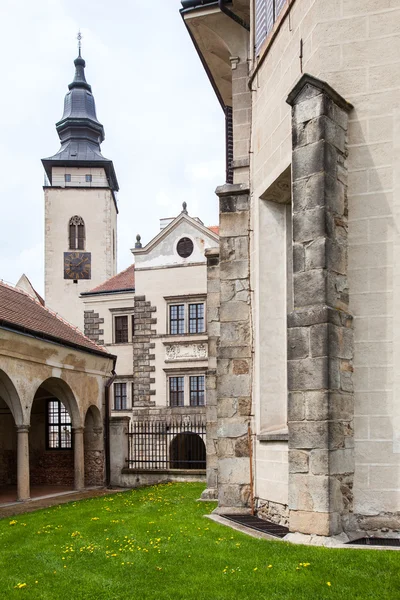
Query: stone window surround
pixel 185 300
pixel 122 312
pixel 186 374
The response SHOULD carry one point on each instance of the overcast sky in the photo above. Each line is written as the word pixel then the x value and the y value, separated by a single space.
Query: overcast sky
pixel 164 126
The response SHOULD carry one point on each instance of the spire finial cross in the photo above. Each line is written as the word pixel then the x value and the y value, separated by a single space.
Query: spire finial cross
pixel 79 38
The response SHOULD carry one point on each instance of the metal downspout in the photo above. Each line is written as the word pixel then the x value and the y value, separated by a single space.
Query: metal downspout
pixel 107 423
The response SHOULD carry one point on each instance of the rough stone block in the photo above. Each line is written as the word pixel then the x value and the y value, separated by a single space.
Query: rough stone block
pixel 298 343
pixel 308 225
pixel 309 492
pixel 319 340
pixel 315 254
pixel 234 471
pixel 298 258
pixel 319 462
pixel 310 522
pixel 317 405
pixel 233 224
pixel 308 435
pixel 309 193
pixel 227 408
pixel 233 386
pixel 234 311
pixel 298 461
pixel 341 461
pixel 309 288
pixel 235 334
pixel 238 269
pixel 232 429
pixel 296 406
pixel 308 374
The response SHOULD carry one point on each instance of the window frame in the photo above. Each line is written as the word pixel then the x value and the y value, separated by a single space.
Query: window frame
pixel 186 397
pixel 122 385
pixel 124 330
pixel 179 391
pixel 197 319
pixel 59 424
pixel 199 393
pixel 186 319
pixel 88 178
pixel 76 233
pixel 67 178
pixel 131 325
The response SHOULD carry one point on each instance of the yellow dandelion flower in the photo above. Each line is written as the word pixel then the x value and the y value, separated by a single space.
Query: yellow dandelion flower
pixel 13 523
pixel 328 583
pixel 269 566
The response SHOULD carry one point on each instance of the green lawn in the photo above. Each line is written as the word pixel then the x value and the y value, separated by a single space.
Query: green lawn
pixel 155 543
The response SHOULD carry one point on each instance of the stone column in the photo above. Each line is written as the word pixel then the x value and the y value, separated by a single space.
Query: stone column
pixel 234 353
pixel 213 331
pixel 320 336
pixel 119 427
pixel 23 463
pixel 79 458
pixel 143 353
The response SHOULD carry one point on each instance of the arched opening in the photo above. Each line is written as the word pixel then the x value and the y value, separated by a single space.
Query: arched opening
pixel 76 232
pixel 51 454
pixel 10 414
pixel 187 451
pixel 94 448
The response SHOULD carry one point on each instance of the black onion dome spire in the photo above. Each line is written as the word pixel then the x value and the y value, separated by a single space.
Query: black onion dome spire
pixel 79 130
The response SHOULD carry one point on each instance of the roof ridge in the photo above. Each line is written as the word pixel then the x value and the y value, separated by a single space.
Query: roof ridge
pixel 51 312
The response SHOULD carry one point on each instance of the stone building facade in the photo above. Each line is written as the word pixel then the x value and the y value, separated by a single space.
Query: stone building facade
pixel 314 98
pixel 153 317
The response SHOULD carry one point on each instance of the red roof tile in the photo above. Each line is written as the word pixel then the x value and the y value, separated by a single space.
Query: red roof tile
pixel 214 229
pixel 19 309
pixel 123 281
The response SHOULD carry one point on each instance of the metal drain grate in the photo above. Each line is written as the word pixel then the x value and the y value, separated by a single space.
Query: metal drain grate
pixel 365 541
pixel 258 524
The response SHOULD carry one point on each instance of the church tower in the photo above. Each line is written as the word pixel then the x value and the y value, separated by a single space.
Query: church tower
pixel 80 205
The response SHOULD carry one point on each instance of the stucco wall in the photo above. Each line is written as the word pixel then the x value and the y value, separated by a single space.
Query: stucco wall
pixel 354 46
pixel 97 208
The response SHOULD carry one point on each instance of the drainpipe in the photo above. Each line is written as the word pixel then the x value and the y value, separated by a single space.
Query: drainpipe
pixel 223 8
pixel 107 422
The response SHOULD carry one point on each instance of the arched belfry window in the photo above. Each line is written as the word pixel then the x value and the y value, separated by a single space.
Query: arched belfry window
pixel 76 233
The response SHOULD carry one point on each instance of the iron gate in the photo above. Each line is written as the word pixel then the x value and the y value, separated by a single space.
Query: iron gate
pixel 166 445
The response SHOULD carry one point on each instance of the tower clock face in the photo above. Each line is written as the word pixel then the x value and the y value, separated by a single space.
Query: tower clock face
pixel 77 265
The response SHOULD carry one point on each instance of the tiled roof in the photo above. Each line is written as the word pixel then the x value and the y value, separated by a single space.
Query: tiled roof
pixel 214 229
pixel 123 281
pixel 20 310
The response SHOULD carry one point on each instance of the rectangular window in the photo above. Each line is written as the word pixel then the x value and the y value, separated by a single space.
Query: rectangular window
pixel 120 396
pixel 88 178
pixel 59 427
pixel 197 390
pixel 121 330
pixel 67 178
pixel 196 318
pixel 176 391
pixel 266 13
pixel 177 319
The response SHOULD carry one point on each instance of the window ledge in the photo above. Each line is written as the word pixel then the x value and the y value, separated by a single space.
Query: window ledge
pixel 280 435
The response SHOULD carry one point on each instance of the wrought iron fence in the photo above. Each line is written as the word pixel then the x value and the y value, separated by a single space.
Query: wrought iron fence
pixel 165 445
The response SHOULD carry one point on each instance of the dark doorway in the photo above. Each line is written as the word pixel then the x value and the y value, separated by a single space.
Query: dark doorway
pixel 187 451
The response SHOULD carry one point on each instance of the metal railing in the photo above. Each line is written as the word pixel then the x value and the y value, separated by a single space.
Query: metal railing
pixel 178 443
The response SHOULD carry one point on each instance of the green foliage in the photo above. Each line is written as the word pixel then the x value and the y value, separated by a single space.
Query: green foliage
pixel 154 543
